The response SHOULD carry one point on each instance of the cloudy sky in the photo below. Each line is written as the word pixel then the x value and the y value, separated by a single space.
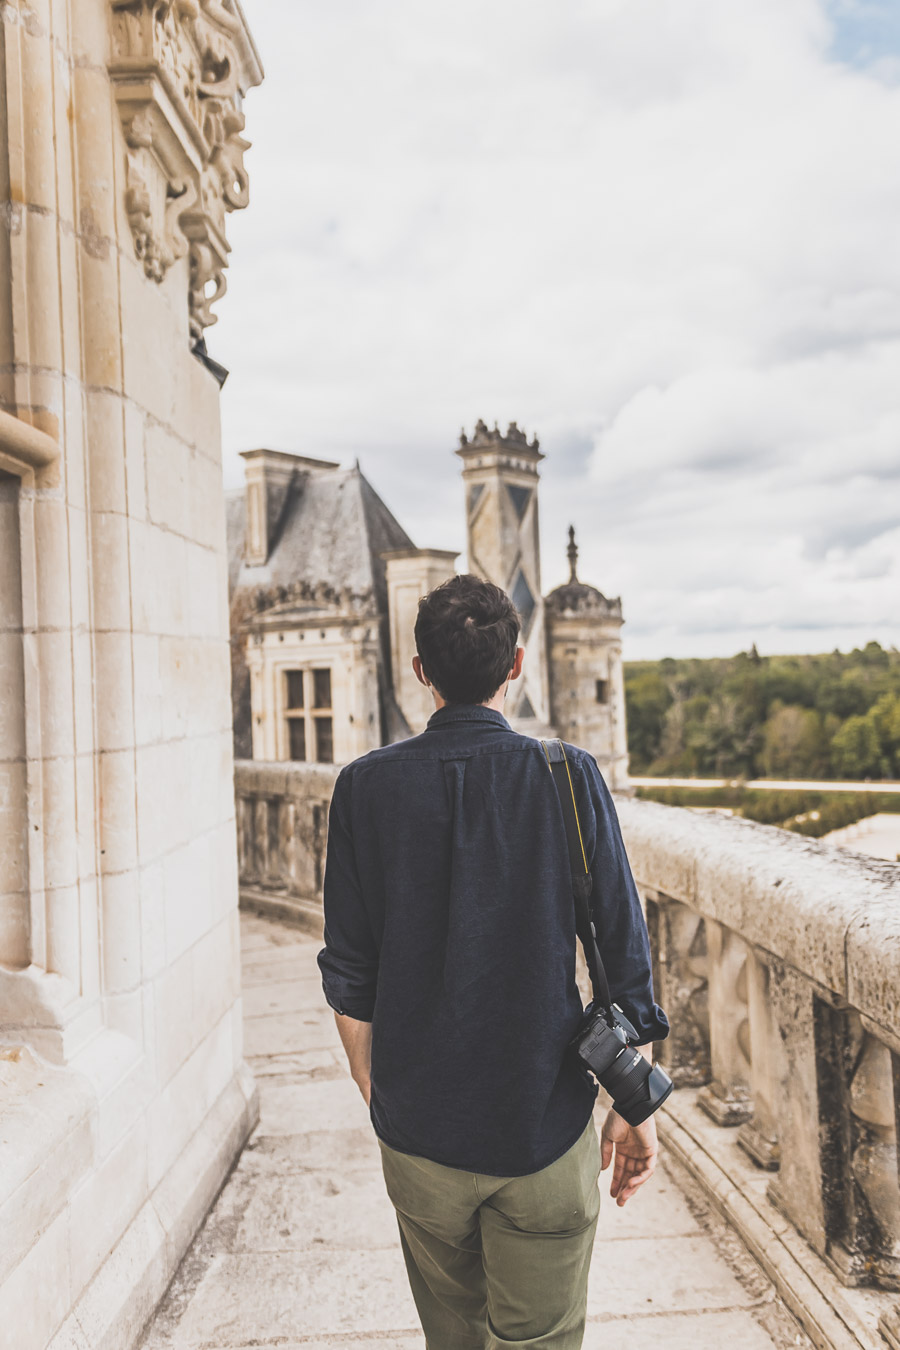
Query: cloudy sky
pixel 664 236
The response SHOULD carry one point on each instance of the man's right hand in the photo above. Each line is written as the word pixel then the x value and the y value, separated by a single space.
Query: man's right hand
pixel 635 1148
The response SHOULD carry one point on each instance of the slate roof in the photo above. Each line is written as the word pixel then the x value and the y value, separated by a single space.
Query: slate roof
pixel 331 531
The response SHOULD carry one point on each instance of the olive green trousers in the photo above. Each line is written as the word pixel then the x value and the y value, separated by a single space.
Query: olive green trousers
pixel 498 1261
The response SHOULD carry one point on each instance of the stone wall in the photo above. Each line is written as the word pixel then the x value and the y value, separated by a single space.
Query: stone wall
pixel 124 1095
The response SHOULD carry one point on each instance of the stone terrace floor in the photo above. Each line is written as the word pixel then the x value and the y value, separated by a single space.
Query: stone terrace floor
pixel 301 1247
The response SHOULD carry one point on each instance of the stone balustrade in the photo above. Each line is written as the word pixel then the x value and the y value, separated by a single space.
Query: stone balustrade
pixel 282 826
pixel 777 960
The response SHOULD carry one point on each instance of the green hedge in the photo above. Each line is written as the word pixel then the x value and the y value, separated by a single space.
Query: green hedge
pixel 819 812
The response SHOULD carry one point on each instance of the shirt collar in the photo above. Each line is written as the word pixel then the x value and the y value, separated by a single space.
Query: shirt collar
pixel 465 712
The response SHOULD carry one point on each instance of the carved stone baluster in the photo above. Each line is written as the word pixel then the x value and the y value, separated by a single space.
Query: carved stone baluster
pixel 293 855
pixel 874 1161
pixel 759 1136
pixel 798 1189
pixel 838 1180
pixel 274 866
pixel 260 837
pixel 320 840
pixel 889 1323
pixel 678 941
pixel 862 1199
pixel 244 828
pixel 727 1097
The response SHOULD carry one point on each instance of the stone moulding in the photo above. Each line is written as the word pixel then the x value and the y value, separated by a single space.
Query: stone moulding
pixel 179 70
pixel 25 449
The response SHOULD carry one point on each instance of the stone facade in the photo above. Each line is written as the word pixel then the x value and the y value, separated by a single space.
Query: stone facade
pixel 325 585
pixel 125 1098
pixel 314 554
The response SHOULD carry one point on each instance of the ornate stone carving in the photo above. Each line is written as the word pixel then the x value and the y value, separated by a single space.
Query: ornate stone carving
pixel 726 1098
pixel 179 70
pixel 681 981
pixel 515 436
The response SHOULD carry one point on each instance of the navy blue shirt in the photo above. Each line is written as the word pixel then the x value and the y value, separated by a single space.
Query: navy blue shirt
pixel 450 925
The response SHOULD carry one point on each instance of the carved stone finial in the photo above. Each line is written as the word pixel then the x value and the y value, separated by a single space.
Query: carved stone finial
pixel 572 553
pixel 179 69
pixel 493 436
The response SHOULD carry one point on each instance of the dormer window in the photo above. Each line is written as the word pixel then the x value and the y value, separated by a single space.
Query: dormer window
pixel 308 715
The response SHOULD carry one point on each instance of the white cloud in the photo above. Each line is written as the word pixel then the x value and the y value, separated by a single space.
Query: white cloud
pixel 663 236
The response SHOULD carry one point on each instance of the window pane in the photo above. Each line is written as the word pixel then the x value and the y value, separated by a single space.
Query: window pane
pixel 324 741
pixel 294 688
pixel 297 737
pixel 602 691
pixel 322 689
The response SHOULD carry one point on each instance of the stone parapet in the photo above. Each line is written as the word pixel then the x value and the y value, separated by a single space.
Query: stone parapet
pixel 777 959
pixel 282 820
pixel 832 915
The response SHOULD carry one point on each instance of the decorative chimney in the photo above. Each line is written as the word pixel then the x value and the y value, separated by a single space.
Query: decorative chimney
pixel 270 475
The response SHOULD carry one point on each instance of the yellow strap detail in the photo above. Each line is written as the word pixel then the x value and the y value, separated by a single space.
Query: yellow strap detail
pixel 575 807
pixel 574 803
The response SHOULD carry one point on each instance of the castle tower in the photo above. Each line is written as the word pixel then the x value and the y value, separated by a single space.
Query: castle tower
pixel 587 698
pixel 501 477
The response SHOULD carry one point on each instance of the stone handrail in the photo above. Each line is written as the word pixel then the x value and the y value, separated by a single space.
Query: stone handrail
pixel 777 959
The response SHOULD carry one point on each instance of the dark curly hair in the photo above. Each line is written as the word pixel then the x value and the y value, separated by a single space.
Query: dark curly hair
pixel 466 632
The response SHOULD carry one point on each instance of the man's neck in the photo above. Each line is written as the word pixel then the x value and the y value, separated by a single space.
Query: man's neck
pixel 497 702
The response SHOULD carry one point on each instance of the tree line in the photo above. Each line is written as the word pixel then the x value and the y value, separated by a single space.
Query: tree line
pixel 830 716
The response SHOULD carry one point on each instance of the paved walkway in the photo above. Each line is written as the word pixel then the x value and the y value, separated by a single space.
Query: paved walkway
pixel 301 1248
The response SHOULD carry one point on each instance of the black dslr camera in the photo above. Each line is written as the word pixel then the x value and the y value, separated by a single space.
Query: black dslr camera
pixel 606 1046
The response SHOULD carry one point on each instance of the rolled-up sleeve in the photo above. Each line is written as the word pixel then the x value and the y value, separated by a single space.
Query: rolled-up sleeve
pixel 349 959
pixel 616 908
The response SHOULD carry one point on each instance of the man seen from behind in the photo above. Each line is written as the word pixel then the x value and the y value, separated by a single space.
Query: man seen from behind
pixel 449 961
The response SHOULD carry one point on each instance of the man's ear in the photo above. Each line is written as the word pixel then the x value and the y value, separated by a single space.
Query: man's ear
pixel 420 674
pixel 517 664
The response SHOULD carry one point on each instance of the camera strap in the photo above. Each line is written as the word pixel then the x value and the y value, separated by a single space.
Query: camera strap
pixel 582 881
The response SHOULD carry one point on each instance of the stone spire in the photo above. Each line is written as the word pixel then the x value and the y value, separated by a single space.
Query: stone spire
pixel 572 553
